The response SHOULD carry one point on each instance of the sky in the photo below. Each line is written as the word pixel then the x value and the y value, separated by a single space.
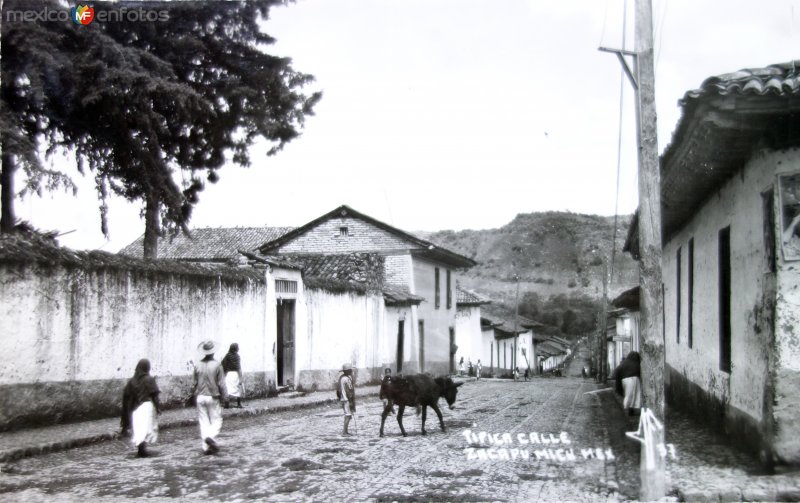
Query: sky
pixel 458 114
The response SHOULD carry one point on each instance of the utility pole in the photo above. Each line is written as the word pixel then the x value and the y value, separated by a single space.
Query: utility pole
pixel 602 351
pixel 516 321
pixel 650 284
pixel 652 342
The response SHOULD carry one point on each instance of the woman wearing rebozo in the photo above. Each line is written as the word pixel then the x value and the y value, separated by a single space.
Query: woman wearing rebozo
pixel 232 365
pixel 628 382
pixel 140 404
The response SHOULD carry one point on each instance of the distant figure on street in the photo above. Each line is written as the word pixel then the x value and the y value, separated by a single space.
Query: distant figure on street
pixel 140 407
pixel 527 373
pixel 470 369
pixel 461 367
pixel 347 395
pixel 627 382
pixel 479 367
pixel 209 389
pixel 234 382
pixel 516 374
pixel 583 372
pixel 384 393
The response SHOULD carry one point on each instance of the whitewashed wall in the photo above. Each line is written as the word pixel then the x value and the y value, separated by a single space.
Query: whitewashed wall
pixel 437 320
pixel 468 335
pixel 757 354
pixel 73 334
pixel 388 349
pixel 339 328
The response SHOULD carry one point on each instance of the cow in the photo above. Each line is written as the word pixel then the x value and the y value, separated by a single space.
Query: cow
pixel 420 390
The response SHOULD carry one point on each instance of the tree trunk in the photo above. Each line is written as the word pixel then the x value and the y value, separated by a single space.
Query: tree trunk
pixel 152 228
pixel 8 219
pixel 7 168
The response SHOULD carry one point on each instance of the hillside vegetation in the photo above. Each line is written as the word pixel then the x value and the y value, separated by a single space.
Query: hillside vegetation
pixel 558 256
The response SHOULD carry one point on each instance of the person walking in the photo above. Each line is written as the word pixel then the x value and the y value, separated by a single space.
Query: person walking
pixel 384 392
pixel 627 377
pixel 461 367
pixel 347 395
pixel 234 382
pixel 140 407
pixel 478 368
pixel 209 389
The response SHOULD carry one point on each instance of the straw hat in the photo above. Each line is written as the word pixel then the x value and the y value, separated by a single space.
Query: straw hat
pixel 207 347
pixel 346 367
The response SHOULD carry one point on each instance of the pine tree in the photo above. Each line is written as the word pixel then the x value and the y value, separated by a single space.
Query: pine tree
pixel 147 105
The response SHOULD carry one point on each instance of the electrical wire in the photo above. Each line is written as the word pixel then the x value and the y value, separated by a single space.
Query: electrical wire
pixel 619 145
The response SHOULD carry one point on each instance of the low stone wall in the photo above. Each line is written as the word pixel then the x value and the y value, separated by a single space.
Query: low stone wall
pixel 44 403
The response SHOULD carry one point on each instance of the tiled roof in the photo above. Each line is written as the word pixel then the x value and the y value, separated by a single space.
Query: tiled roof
pixel 779 79
pixel 628 299
pixel 497 314
pixel 209 243
pixel 504 324
pixel 360 268
pixel 419 246
pixel 466 297
pixel 17 248
pixel 400 296
pixel 721 125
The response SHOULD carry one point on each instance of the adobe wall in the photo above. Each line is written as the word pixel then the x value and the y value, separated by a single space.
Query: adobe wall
pixel 468 335
pixel 339 328
pixel 757 400
pixel 74 326
pixel 437 321
pixel 738 204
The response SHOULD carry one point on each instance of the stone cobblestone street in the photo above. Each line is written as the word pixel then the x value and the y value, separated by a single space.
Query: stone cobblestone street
pixel 300 456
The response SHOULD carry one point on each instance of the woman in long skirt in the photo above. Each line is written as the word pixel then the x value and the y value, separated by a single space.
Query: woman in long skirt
pixel 232 365
pixel 140 403
pixel 628 382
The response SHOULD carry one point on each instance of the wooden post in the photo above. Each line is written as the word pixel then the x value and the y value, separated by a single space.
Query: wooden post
pixel 603 350
pixel 516 321
pixel 652 343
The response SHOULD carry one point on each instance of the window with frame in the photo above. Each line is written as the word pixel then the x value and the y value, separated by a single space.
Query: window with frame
pixel 449 292
pixel 725 299
pixel 768 210
pixel 437 296
pixel 285 286
pixel 690 293
pixel 678 296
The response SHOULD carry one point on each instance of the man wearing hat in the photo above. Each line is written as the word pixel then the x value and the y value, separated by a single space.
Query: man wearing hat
pixel 347 395
pixel 209 389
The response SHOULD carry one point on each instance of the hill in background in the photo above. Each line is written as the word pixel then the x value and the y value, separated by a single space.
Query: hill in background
pixel 557 255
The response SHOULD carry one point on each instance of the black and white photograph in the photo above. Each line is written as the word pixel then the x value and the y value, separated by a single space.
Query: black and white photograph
pixel 400 250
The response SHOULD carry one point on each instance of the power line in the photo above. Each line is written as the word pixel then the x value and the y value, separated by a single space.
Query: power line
pixel 619 144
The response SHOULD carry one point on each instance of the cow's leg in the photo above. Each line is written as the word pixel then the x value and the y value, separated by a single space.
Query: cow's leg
pixel 385 413
pixel 400 410
pixel 438 412
pixel 424 415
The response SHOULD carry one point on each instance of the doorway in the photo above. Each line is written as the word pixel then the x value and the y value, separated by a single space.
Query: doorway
pixel 421 328
pixel 285 344
pixel 400 343
pixel 452 344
